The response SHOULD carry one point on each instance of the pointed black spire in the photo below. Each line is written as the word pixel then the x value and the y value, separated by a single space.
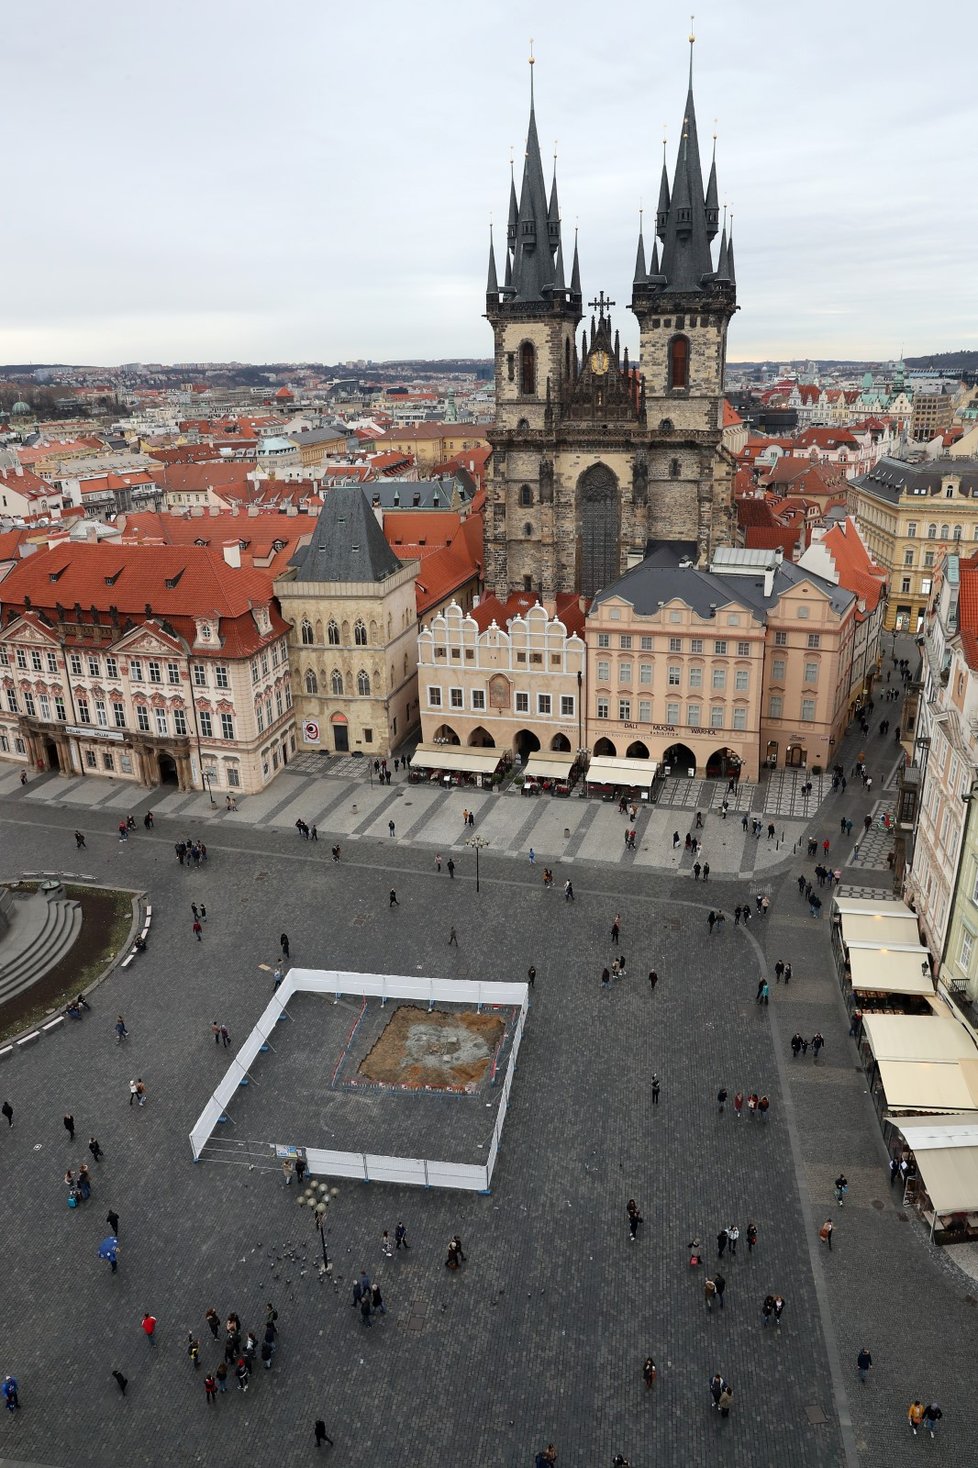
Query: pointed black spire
pixel 662 211
pixel 731 272
pixel 535 243
pixel 513 208
pixel 576 270
pixel 640 270
pixel 560 286
pixel 722 266
pixel 712 198
pixel 492 283
pixel 686 257
pixel 553 209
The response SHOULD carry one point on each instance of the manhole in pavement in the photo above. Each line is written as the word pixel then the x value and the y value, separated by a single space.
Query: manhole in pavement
pixel 971 1299
pixel 260 876
pixel 815 1416
pixel 877 1203
pixel 904 1217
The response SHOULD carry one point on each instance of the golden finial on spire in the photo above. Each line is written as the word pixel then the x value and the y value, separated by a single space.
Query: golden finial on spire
pixel 532 57
pixel 692 36
pixel 555 152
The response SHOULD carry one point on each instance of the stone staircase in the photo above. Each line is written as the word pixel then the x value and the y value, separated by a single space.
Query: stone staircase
pixel 42 929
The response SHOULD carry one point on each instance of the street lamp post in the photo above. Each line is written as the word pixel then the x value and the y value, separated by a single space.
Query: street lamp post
pixel 479 844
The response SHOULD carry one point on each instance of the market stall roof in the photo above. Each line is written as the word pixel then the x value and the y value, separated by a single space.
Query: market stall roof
pixel 550 766
pixel 454 757
pixel 914 1085
pixel 919 1037
pixel 879 930
pixel 604 770
pixel 890 970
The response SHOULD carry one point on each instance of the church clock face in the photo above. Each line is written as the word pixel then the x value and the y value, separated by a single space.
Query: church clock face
pixel 600 362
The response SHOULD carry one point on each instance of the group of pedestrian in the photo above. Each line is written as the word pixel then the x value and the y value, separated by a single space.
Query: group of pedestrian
pixel 799 1045
pixel 756 1105
pixel 367 1298
pixel 307 832
pixel 190 853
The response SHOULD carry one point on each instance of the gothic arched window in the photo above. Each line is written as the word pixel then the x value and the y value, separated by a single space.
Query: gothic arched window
pixel 336 682
pixel 333 634
pixel 528 529
pixel 363 683
pixel 675 468
pixel 306 631
pixel 359 634
pixel 528 369
pixel 312 685
pixel 679 361
pixel 526 495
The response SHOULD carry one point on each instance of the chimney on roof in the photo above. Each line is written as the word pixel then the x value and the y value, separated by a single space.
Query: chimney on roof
pixel 232 553
pixel 148 610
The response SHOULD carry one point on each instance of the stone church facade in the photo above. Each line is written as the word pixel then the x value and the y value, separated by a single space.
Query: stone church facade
pixel 593 455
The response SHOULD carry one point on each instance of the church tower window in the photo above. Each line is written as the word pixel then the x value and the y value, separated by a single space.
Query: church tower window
pixel 526 495
pixel 528 370
pixel 679 362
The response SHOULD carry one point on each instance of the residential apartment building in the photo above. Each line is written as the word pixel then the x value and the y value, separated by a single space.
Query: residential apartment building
pixel 931 412
pixel 351 605
pixel 911 516
pixel 430 444
pixel 719 671
pixel 839 554
pixel 506 675
pixel 150 664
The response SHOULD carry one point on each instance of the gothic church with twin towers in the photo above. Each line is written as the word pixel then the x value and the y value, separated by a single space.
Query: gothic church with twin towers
pixel 594 455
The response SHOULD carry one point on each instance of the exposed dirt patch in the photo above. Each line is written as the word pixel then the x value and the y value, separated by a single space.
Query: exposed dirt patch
pixel 446 1051
pixel 106 920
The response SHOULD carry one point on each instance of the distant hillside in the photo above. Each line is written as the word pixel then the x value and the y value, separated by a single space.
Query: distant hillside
pixel 947 361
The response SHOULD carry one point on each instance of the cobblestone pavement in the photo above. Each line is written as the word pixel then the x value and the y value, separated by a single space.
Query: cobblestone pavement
pixel 542 1335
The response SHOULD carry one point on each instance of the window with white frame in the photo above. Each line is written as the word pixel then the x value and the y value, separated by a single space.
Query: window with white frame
pixel 142 718
pixel 716 716
pixel 478 698
pixel 567 703
pixel 624 708
pixel 811 672
pixel 200 675
pixel 60 712
pixel 162 725
pixel 645 711
pixel 101 713
pixel 602 708
pixel 696 677
pixel 814 640
pixel 434 698
pixel 775 707
pixel 604 639
pixel 694 714
pixel 221 679
pixel 624 672
pixel 604 670
pixel 11 700
pixel 803 613
pixel 675 675
pixel 625 641
pixel 719 678
pixel 645 674
pixel 35 660
pixel 74 661
pixel 967 949
pixel 672 713
pixel 807 710
pixel 155 671
pixel 94 666
pixel 179 721
pixel 778 667
pixel 118 714
pixel 720 648
pixel 522 703
pixel 645 643
pixel 675 644
pixel 173 672
pixel 84 712
pixel 740 717
pixel 743 649
pixel 53 664
pixel 227 726
pixel 741 680
pixel 206 724
pixel 696 645
pixel 455 698
pixel 781 639
pixel 91 761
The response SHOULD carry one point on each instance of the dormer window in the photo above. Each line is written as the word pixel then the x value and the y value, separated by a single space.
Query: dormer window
pixel 205 631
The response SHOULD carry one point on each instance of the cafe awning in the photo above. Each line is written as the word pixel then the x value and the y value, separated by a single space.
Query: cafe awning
pixel 549 766
pixel 455 757
pixel 946 1151
pixel 604 770
pixel 918 1037
pixel 880 930
pixel 915 1085
pixel 890 970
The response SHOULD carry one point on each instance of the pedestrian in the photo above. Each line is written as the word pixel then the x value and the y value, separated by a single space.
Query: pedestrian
pixel 779 970
pixel 198 930
pixel 385 1245
pixel 140 1092
pixel 778 1309
pixel 287 1170
pixel 725 1399
pixel 314 834
pixel 709 1293
pixel 531 973
pixel 452 937
pixel 894 1170
pixel 675 839
pixel 277 976
pixel 751 1237
pixel 787 974
pixel 451 868
pixel 817 1043
pixel 655 1090
pixel 568 891
pixel 765 993
pixel 533 857
pixel 733 1234
pixel 634 1219
pixel 706 870
pixel 751 1105
pixel 738 1104
pixel 225 1036
pixel 721 1099
pixel 148 1323
pixel 767 1310
pixel 720 1284
pixel 711 920
pixel 241 1374
pixel 864 1364
pixel 825 1233
pixel 653 978
pixel 615 931
pixel 365 1308
pixel 121 1033
pixel 762 1105
pixel 319 1428
pixel 400 1236
pixel 390 827
pixel 796 1044
pixel 210 1388
pixel 393 899
pixel 915 1415
pixel 203 913
pixel 123 1381
pixel 841 1188
pixel 112 1219
pixel 221 1375
pixel 722 1241
pixel 649 1373
pixel 79 840
pixel 213 1321
pixel 95 1149
pixel 377 1299
pixel 605 980
pixel 284 941
pixel 438 862
pixel 193 1349
pixel 10 1393
pixel 216 1031
pixel 696 872
pixel 8 1111
pixel 695 1254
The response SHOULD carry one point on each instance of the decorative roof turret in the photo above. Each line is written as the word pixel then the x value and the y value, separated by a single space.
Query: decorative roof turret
pixel 640 270
pixel 712 197
pixel 492 283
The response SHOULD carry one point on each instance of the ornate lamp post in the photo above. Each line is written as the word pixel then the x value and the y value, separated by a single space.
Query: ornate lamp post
pixel 479 844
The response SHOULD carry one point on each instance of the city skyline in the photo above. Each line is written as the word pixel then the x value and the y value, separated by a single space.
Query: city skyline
pixel 325 195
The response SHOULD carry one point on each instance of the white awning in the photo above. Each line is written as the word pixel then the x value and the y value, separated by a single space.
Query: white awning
pixel 549 766
pixel 915 1085
pixel 924 1134
pixel 880 930
pixel 919 1037
pixel 950 1178
pixel 455 757
pixel 604 770
pixel 874 906
pixel 890 970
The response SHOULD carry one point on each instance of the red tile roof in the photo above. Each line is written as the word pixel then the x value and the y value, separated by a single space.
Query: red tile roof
pixel 730 415
pixel 256 535
pixel 854 566
pixel 449 568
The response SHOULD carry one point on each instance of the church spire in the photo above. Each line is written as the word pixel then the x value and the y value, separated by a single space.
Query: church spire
pixel 712 196
pixel 536 235
pixel 662 212
pixel 492 282
pixel 640 270
pixel 686 257
pixel 731 272
pixel 576 270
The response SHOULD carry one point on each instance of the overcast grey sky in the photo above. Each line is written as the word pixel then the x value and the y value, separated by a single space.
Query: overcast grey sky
pixel 216 180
